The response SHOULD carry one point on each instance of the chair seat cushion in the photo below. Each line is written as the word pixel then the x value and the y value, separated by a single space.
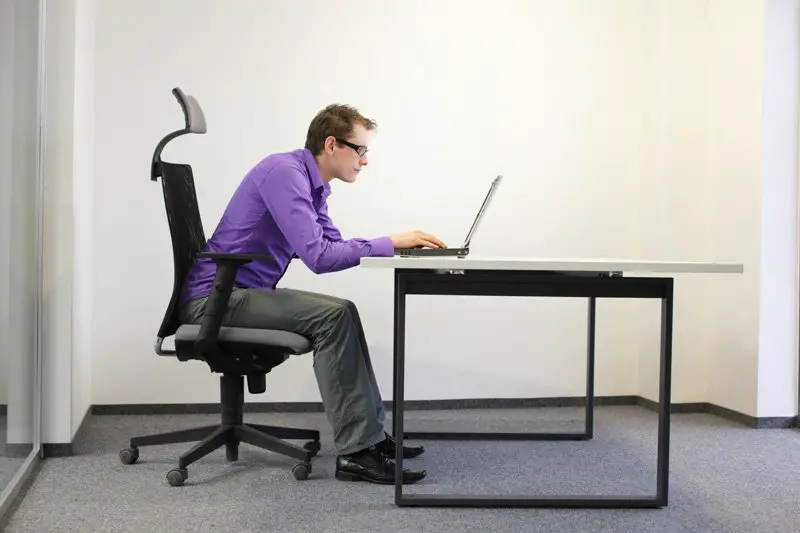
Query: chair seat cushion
pixel 285 341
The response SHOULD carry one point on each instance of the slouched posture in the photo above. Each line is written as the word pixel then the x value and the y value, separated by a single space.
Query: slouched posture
pixel 280 209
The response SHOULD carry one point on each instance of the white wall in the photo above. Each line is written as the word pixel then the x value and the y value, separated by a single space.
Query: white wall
pixel 562 125
pixel 725 101
pixel 734 191
pixel 671 199
pixel 578 105
pixel 83 177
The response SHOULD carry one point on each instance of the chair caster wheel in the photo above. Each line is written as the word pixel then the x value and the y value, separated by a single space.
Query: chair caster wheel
pixel 301 471
pixel 128 456
pixel 313 446
pixel 177 476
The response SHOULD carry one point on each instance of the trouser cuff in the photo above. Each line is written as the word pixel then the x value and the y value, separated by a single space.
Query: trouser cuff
pixel 372 441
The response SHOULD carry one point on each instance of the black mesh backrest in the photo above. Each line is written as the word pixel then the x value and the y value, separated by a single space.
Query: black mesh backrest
pixel 186 231
pixel 183 214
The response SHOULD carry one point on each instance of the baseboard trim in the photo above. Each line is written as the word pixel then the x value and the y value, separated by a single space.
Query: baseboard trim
pixel 766 422
pixel 472 403
pixel 57 449
pixel 67 449
pixel 316 407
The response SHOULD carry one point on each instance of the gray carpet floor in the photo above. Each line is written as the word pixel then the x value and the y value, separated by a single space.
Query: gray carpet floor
pixel 724 478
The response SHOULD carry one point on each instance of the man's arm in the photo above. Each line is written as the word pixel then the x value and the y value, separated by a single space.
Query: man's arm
pixel 287 194
pixel 330 231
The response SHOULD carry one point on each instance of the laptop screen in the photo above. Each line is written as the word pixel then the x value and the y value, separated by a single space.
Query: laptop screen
pixel 482 210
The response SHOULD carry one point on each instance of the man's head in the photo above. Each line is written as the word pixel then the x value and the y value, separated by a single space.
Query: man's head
pixel 338 137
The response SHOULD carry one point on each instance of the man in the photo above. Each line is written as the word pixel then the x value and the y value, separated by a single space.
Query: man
pixel 280 208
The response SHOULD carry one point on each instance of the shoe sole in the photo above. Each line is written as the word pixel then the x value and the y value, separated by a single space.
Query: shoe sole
pixel 347 476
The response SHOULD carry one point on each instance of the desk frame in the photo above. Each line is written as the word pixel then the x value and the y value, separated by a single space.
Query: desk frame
pixel 591 285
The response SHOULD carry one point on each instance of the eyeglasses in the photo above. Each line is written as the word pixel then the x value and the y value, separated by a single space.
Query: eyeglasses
pixel 360 150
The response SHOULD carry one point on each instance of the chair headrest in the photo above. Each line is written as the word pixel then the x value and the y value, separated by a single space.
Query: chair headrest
pixel 193 113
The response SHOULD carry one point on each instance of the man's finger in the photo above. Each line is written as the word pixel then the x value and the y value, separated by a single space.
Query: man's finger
pixel 430 242
pixel 422 242
pixel 436 241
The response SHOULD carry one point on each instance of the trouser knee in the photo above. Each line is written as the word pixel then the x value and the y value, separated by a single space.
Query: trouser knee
pixel 335 324
pixel 351 308
pixel 336 318
pixel 343 306
pixel 347 305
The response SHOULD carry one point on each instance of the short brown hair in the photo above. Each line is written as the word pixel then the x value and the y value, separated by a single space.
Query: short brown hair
pixel 335 120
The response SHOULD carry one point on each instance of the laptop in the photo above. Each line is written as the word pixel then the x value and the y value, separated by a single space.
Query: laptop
pixel 462 251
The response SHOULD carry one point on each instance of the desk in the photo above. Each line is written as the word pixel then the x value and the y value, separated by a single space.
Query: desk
pixel 591 279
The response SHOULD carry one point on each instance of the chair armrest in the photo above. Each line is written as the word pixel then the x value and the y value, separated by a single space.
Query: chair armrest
pixel 217 303
pixel 233 258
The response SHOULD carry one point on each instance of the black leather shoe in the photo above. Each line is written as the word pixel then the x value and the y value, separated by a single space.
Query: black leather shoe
pixel 389 447
pixel 373 466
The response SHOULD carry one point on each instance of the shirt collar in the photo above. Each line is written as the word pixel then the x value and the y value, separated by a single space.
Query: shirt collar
pixel 313 172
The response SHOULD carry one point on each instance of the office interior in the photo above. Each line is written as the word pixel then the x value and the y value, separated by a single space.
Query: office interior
pixel 664 130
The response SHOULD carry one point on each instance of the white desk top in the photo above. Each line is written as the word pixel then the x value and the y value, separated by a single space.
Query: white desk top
pixel 564 265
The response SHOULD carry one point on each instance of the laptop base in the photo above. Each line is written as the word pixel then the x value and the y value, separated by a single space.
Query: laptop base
pixel 431 252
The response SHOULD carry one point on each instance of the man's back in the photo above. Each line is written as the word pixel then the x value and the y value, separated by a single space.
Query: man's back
pixel 247 226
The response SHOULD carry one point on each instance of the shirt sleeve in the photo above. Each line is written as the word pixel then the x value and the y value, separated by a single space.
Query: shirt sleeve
pixel 287 194
pixel 330 231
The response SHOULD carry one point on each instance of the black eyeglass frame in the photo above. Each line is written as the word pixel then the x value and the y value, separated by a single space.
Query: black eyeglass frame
pixel 361 150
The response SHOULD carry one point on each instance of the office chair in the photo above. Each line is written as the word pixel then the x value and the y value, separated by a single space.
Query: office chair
pixel 235 353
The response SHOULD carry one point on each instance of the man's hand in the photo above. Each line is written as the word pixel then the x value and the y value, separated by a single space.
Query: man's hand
pixel 416 239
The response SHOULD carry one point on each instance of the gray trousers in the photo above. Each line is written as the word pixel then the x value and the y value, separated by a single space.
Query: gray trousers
pixel 341 360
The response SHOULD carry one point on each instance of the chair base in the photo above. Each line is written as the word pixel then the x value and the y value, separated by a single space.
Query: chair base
pixel 230 434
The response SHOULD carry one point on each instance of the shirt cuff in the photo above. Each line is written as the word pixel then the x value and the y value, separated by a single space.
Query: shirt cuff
pixel 382 247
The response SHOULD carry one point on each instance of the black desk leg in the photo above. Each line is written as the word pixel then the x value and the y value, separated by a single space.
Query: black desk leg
pixel 636 288
pixel 399 346
pixel 399 378
pixel 590 341
pixel 664 400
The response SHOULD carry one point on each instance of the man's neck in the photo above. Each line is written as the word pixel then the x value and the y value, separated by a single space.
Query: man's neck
pixel 326 175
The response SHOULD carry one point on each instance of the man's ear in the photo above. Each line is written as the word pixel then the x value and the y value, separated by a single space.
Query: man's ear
pixel 330 140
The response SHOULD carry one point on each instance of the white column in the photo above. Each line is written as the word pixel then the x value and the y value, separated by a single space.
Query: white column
pixel 778 302
pixel 19 216
pixel 59 143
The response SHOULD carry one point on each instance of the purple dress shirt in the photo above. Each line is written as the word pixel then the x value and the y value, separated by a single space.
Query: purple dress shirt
pixel 280 209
